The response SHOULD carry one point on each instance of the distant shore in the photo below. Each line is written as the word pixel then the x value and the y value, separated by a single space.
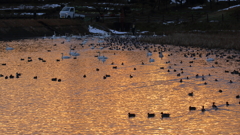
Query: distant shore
pixel 28 28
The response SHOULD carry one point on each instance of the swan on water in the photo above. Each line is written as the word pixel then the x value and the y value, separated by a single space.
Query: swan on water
pixel 44 36
pixel 53 36
pixel 151 60
pixel 154 34
pixel 102 57
pixel 210 59
pixel 73 53
pixel 8 48
pixel 149 54
pixel 65 57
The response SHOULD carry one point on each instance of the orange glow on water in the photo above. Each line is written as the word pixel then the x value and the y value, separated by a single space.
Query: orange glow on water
pixel 94 105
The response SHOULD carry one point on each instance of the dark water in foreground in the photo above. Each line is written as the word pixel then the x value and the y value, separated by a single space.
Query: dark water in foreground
pixel 93 105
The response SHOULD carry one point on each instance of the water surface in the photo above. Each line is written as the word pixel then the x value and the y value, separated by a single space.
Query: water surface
pixel 93 105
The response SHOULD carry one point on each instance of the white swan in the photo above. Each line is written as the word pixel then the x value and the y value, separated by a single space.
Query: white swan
pixel 53 36
pixel 44 36
pixel 151 60
pixel 154 34
pixel 73 53
pixel 103 60
pixel 210 59
pixel 102 57
pixel 65 36
pixel 149 54
pixel 65 57
pixel 8 48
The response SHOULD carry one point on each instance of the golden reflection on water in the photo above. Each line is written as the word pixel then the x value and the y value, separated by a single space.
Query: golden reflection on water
pixel 93 105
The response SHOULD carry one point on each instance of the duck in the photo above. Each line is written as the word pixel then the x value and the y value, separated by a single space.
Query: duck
pixel 192 108
pixel 160 55
pixel 11 76
pixel 190 94
pixel 214 106
pixel 203 109
pixel 131 115
pixel 54 79
pixel 151 115
pixel 166 115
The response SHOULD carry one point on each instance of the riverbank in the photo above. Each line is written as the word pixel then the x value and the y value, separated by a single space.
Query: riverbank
pixel 27 28
pixel 211 35
pixel 223 40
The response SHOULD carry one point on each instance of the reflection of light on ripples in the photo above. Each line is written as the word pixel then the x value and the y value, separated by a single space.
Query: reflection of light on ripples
pixel 94 105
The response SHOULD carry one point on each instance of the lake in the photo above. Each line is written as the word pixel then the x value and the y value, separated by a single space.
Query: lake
pixel 95 97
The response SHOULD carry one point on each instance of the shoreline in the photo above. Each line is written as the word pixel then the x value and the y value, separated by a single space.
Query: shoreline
pixel 11 29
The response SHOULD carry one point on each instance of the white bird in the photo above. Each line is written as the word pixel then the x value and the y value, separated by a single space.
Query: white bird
pixel 53 36
pixel 73 53
pixel 103 60
pixel 154 34
pixel 102 57
pixel 149 54
pixel 210 59
pixel 8 48
pixel 44 36
pixel 160 55
pixel 65 36
pixel 65 57
pixel 68 39
pixel 151 60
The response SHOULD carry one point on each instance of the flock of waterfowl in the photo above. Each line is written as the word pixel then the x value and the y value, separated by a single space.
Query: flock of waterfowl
pixel 128 43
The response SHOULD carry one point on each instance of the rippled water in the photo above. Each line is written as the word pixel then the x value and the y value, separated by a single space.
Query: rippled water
pixel 93 105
